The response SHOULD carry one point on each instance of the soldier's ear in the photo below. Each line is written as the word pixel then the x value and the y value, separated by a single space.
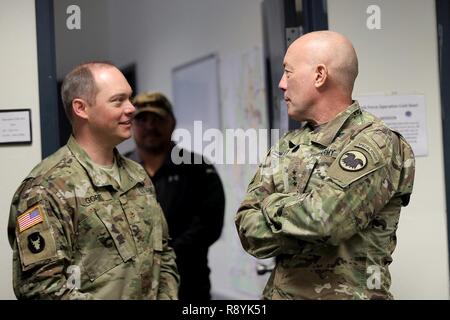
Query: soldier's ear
pixel 79 107
pixel 321 75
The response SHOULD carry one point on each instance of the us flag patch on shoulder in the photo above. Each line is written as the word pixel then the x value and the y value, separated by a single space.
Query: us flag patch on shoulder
pixel 30 218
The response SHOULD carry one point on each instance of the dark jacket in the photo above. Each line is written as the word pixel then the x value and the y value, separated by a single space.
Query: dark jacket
pixel 193 201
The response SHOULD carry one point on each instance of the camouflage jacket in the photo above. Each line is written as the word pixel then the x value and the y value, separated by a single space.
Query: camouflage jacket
pixel 77 234
pixel 326 203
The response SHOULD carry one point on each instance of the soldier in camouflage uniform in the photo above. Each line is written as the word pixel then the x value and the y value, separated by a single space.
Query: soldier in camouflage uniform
pixel 326 201
pixel 85 223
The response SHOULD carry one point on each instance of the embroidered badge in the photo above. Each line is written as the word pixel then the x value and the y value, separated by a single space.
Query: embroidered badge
pixel 36 242
pixel 353 161
pixel 30 218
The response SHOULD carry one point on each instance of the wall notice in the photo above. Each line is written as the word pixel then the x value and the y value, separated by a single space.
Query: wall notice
pixel 405 114
pixel 15 126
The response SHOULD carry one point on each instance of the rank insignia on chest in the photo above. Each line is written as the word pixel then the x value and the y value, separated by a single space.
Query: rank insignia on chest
pixel 30 218
pixel 353 161
pixel 36 242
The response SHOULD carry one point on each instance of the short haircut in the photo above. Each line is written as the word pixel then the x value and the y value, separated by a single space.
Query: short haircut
pixel 80 84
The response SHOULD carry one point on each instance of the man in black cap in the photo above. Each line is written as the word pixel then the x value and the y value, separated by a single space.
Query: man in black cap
pixel 191 195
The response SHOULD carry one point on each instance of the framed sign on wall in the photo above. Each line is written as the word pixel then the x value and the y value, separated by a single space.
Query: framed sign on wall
pixel 15 126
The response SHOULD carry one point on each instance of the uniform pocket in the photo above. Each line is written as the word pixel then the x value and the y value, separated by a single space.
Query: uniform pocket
pixel 303 174
pixel 101 249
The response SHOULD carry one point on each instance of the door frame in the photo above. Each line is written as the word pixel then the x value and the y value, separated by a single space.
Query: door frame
pixel 48 96
pixel 443 41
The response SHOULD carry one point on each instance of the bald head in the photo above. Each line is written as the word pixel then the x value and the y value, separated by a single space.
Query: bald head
pixel 320 69
pixel 332 50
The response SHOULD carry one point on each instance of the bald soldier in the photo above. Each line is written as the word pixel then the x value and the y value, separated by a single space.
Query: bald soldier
pixel 326 201
pixel 85 223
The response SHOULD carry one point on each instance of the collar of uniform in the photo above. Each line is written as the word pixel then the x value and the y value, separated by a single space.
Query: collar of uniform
pixel 299 136
pixel 132 176
pixel 325 134
pixel 98 177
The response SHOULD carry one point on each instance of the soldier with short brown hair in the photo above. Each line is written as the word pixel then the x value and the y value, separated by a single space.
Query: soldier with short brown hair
pixel 85 223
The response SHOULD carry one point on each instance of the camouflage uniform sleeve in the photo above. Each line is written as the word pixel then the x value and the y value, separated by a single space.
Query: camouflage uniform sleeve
pixel 169 277
pixel 255 232
pixel 346 200
pixel 40 231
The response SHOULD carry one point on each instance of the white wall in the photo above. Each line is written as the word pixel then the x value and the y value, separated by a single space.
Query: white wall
pixel 161 34
pixel 157 34
pixel 402 57
pixel 18 89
